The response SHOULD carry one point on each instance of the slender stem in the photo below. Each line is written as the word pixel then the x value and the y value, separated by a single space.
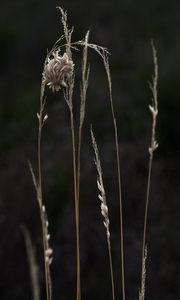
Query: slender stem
pixel 120 200
pixel 145 220
pixel 121 218
pixel 111 269
pixel 106 64
pixel 76 209
pixel 154 145
pixel 79 164
pixel 40 191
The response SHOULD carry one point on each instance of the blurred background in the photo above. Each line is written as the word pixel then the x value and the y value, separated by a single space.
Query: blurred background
pixel 27 29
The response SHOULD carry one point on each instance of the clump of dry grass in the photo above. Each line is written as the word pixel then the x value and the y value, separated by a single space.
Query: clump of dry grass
pixel 58 72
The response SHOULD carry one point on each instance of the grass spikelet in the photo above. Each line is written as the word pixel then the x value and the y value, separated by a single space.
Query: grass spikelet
pixel 104 208
pixel 48 252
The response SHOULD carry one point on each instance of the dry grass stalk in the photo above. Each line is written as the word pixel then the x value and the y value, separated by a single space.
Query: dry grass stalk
pixel 67 32
pixel 32 264
pixel 41 123
pixel 142 292
pixel 68 93
pixel 83 91
pixel 154 110
pixel 104 208
pixel 106 65
pixel 48 251
pixel 41 120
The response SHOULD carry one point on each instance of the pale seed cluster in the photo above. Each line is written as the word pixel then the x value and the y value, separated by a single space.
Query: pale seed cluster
pixel 57 70
pixel 154 145
pixel 102 195
pixel 104 208
pixel 48 250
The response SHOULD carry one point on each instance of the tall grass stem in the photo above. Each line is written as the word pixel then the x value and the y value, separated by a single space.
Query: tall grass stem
pixel 40 188
pixel 154 145
pixel 106 64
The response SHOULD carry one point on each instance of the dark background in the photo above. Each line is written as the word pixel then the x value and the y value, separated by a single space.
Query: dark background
pixel 27 29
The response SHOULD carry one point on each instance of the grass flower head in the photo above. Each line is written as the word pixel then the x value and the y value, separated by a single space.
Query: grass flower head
pixel 57 70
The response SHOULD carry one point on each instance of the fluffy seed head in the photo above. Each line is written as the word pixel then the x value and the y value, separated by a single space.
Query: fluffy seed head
pixel 56 70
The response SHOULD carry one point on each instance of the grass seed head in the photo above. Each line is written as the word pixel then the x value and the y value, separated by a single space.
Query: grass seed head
pixel 57 70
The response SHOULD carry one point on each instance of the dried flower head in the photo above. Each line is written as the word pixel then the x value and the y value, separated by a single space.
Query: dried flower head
pixel 56 70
